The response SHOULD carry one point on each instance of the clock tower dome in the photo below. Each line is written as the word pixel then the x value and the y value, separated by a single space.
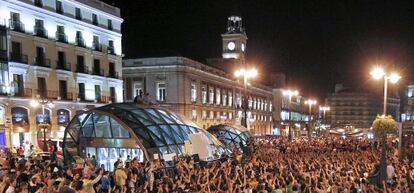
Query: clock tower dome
pixel 234 40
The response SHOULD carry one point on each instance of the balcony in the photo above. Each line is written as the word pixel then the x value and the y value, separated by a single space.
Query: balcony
pixel 96 46
pixel 16 25
pixel 111 50
pixel 82 69
pixel 66 96
pixel 42 61
pixel 25 92
pixel 113 75
pixel 40 31
pixel 80 42
pixel 20 58
pixel 61 65
pixel 47 94
pixel 103 99
pixel 81 96
pixel 59 10
pixel 98 71
pixel 61 37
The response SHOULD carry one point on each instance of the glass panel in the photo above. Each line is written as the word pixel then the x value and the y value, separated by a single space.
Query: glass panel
pixel 142 117
pixel 102 128
pixel 87 129
pixel 103 157
pixel 123 154
pixel 118 130
pixel 113 156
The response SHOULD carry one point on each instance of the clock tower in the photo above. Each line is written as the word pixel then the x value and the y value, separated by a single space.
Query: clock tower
pixel 234 40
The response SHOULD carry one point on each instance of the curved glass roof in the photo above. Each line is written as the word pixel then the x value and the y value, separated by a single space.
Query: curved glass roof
pixel 153 129
pixel 231 136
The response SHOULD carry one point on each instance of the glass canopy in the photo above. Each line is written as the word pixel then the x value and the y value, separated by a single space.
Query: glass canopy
pixel 232 136
pixel 121 129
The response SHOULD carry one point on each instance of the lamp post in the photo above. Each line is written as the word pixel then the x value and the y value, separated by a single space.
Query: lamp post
pixel 290 93
pixel 310 103
pixel 377 74
pixel 43 102
pixel 324 109
pixel 246 74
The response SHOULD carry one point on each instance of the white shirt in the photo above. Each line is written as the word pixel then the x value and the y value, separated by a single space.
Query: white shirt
pixel 10 189
pixel 390 172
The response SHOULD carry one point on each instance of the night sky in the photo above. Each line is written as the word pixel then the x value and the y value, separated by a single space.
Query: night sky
pixel 315 43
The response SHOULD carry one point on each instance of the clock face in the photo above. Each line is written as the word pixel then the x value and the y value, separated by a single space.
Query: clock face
pixel 243 47
pixel 231 46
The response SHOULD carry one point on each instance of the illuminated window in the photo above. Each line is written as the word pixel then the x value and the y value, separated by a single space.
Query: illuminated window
pixel 194 114
pixel 138 91
pixel 211 95
pixel 211 114
pixel 204 114
pixel 203 95
pixel 218 96
pixel 161 91
pixel 193 92
pixel 224 98
pixel 230 99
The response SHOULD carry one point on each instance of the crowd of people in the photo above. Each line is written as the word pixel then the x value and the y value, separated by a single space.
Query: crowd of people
pixel 273 165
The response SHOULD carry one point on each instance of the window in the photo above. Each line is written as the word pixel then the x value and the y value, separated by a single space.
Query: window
pixel 39 29
pixel 60 34
pixel 63 89
pixel 218 96
pixel 41 87
pixel 112 72
pixel 111 49
pixel 40 56
pixel 218 116
pixel 95 44
pixel 38 3
pixel 204 114
pixel 211 96
pixel 81 91
pixel 224 98
pixel 94 19
pixel 79 39
pixel 112 94
pixel 63 116
pixel 138 89
pixel 194 114
pixel 110 24
pixel 238 100
pixel 59 7
pixel 193 92
pixel 80 63
pixel 161 88
pixel 20 117
pixel 15 23
pixel 18 84
pixel 230 99
pixel 230 116
pixel 78 13
pixel 211 114
pixel 61 62
pixel 97 67
pixel 98 93
pixel 203 94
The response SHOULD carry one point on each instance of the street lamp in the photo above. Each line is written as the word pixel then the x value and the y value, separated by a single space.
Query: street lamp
pixel 246 74
pixel 310 102
pixel 43 102
pixel 379 73
pixel 290 93
pixel 324 109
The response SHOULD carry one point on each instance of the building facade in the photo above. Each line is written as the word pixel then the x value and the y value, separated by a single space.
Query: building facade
pixel 204 94
pixel 292 113
pixel 358 109
pixel 66 52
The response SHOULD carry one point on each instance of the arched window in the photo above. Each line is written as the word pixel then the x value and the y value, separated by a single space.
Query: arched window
pixel 42 118
pixel 63 116
pixel 20 116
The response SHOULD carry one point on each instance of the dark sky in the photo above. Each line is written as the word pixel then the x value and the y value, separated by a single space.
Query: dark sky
pixel 315 43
